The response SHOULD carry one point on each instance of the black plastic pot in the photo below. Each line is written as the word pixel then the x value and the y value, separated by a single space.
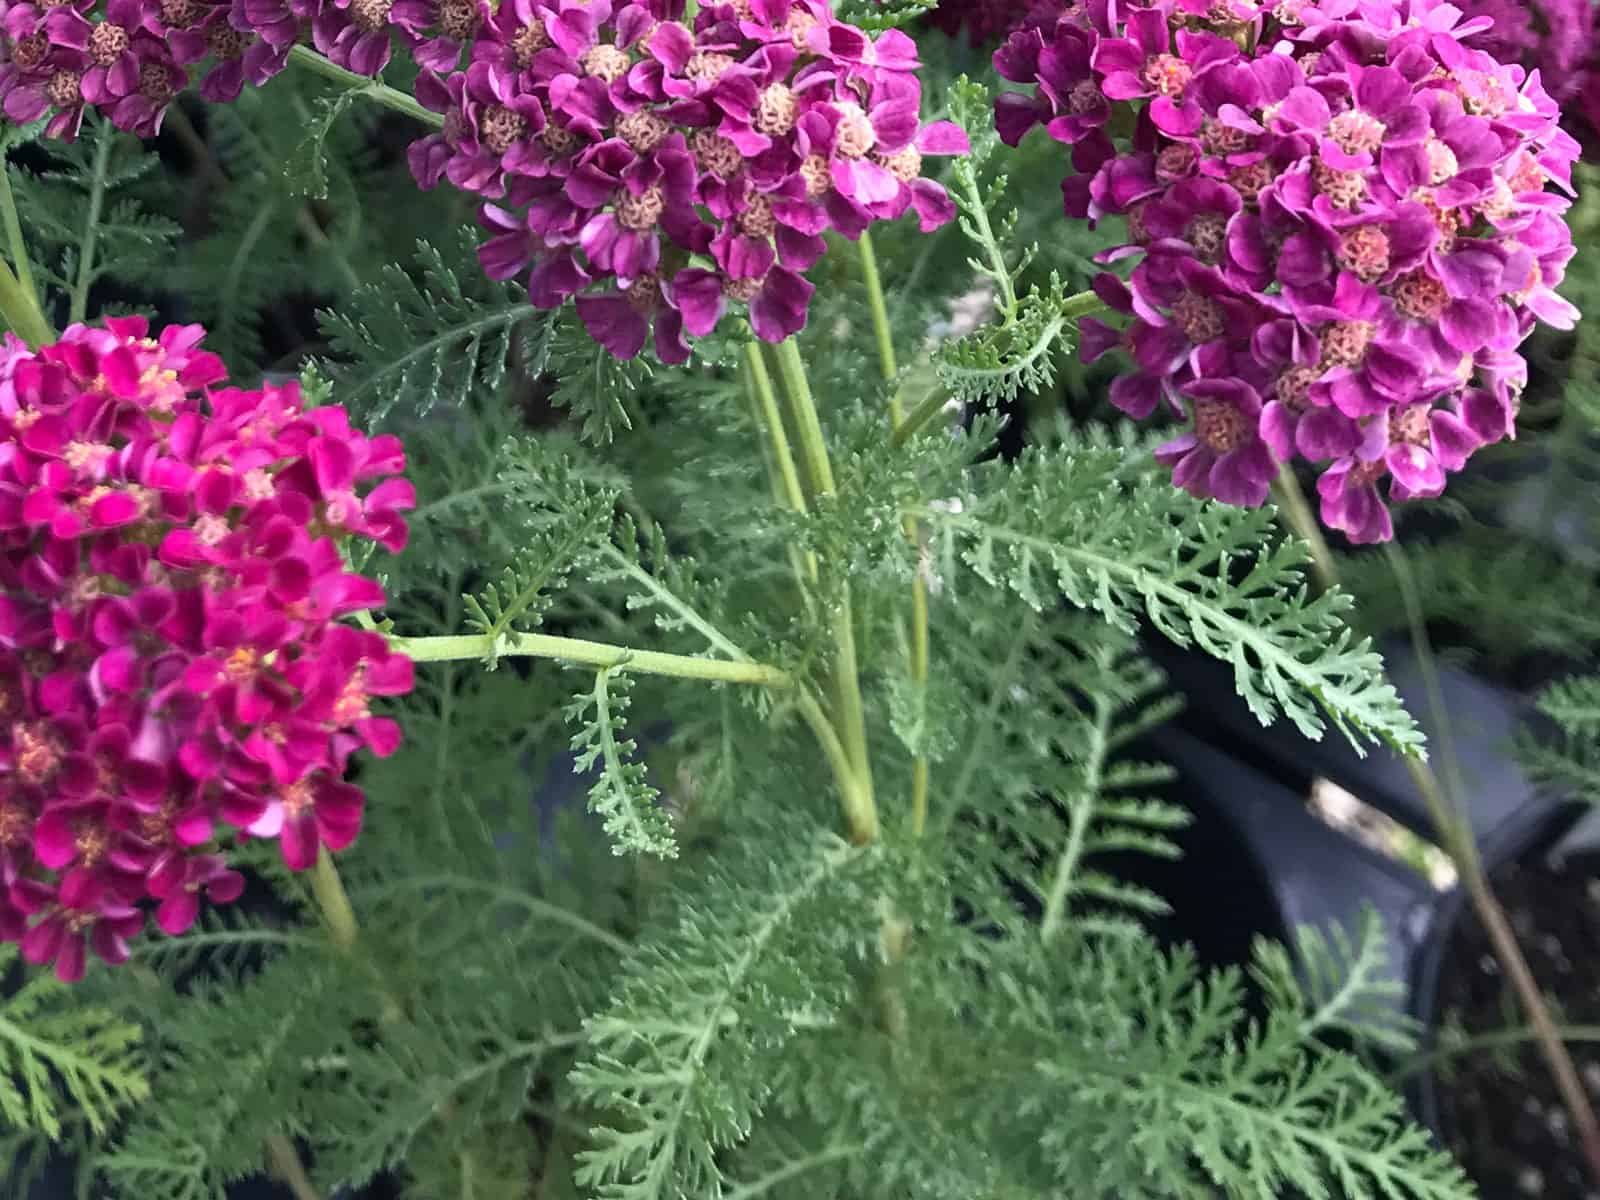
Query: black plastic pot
pixel 1260 779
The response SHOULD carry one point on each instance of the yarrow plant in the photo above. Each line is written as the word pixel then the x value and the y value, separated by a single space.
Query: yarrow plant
pixel 619 455
pixel 1344 218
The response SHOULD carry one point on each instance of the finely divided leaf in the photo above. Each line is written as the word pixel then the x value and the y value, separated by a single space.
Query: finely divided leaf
pixel 1072 520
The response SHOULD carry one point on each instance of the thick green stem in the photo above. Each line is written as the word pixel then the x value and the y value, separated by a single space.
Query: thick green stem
pixel 19 248
pixel 860 808
pixel 880 318
pixel 329 891
pixel 1456 833
pixel 767 401
pixel 809 425
pixel 19 299
pixel 919 585
pixel 20 311
pixel 401 102
pixel 452 648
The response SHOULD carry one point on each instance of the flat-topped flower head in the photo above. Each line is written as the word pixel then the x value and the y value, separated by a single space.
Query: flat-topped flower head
pixel 1355 204
pixel 663 173
pixel 172 662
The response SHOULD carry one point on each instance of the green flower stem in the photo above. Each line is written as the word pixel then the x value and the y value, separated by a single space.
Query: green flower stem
pixel 1456 834
pixel 78 306
pixel 931 406
pixel 860 808
pixel 788 492
pixel 779 460
pixel 329 891
pixel 880 318
pixel 788 487
pixel 19 250
pixel 919 586
pixel 1304 522
pixel 19 299
pixel 593 654
pixel 19 309
pixel 401 102
pixel 812 445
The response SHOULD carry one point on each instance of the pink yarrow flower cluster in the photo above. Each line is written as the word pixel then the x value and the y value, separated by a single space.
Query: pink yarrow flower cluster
pixel 129 58
pixel 663 172
pixel 1342 224
pixel 172 667
pixel 1557 36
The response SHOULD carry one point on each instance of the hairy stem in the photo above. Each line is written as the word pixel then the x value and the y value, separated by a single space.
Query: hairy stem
pixel 79 306
pixel 1456 833
pixel 286 1165
pixel 401 102
pixel 862 814
pixel 919 585
pixel 450 648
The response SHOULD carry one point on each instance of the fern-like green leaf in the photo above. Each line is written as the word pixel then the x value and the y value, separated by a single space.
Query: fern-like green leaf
pixel 59 1056
pixel 680 1064
pixel 84 215
pixel 591 383
pixel 439 335
pixel 622 794
pixel 1070 520
pixel 1345 985
pixel 306 171
pixel 1149 1090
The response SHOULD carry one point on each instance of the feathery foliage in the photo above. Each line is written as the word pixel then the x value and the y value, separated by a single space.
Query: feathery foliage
pixel 434 335
pixel 86 216
pixel 1207 574
pixel 622 794
pixel 58 1055
pixel 1345 983
pixel 677 1063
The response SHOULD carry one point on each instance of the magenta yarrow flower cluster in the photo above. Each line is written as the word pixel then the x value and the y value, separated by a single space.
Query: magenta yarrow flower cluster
pixel 171 662
pixel 1341 227
pixel 1556 36
pixel 663 171
pixel 127 58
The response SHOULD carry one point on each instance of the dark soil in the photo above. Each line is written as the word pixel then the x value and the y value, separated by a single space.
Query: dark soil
pixel 1499 1110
